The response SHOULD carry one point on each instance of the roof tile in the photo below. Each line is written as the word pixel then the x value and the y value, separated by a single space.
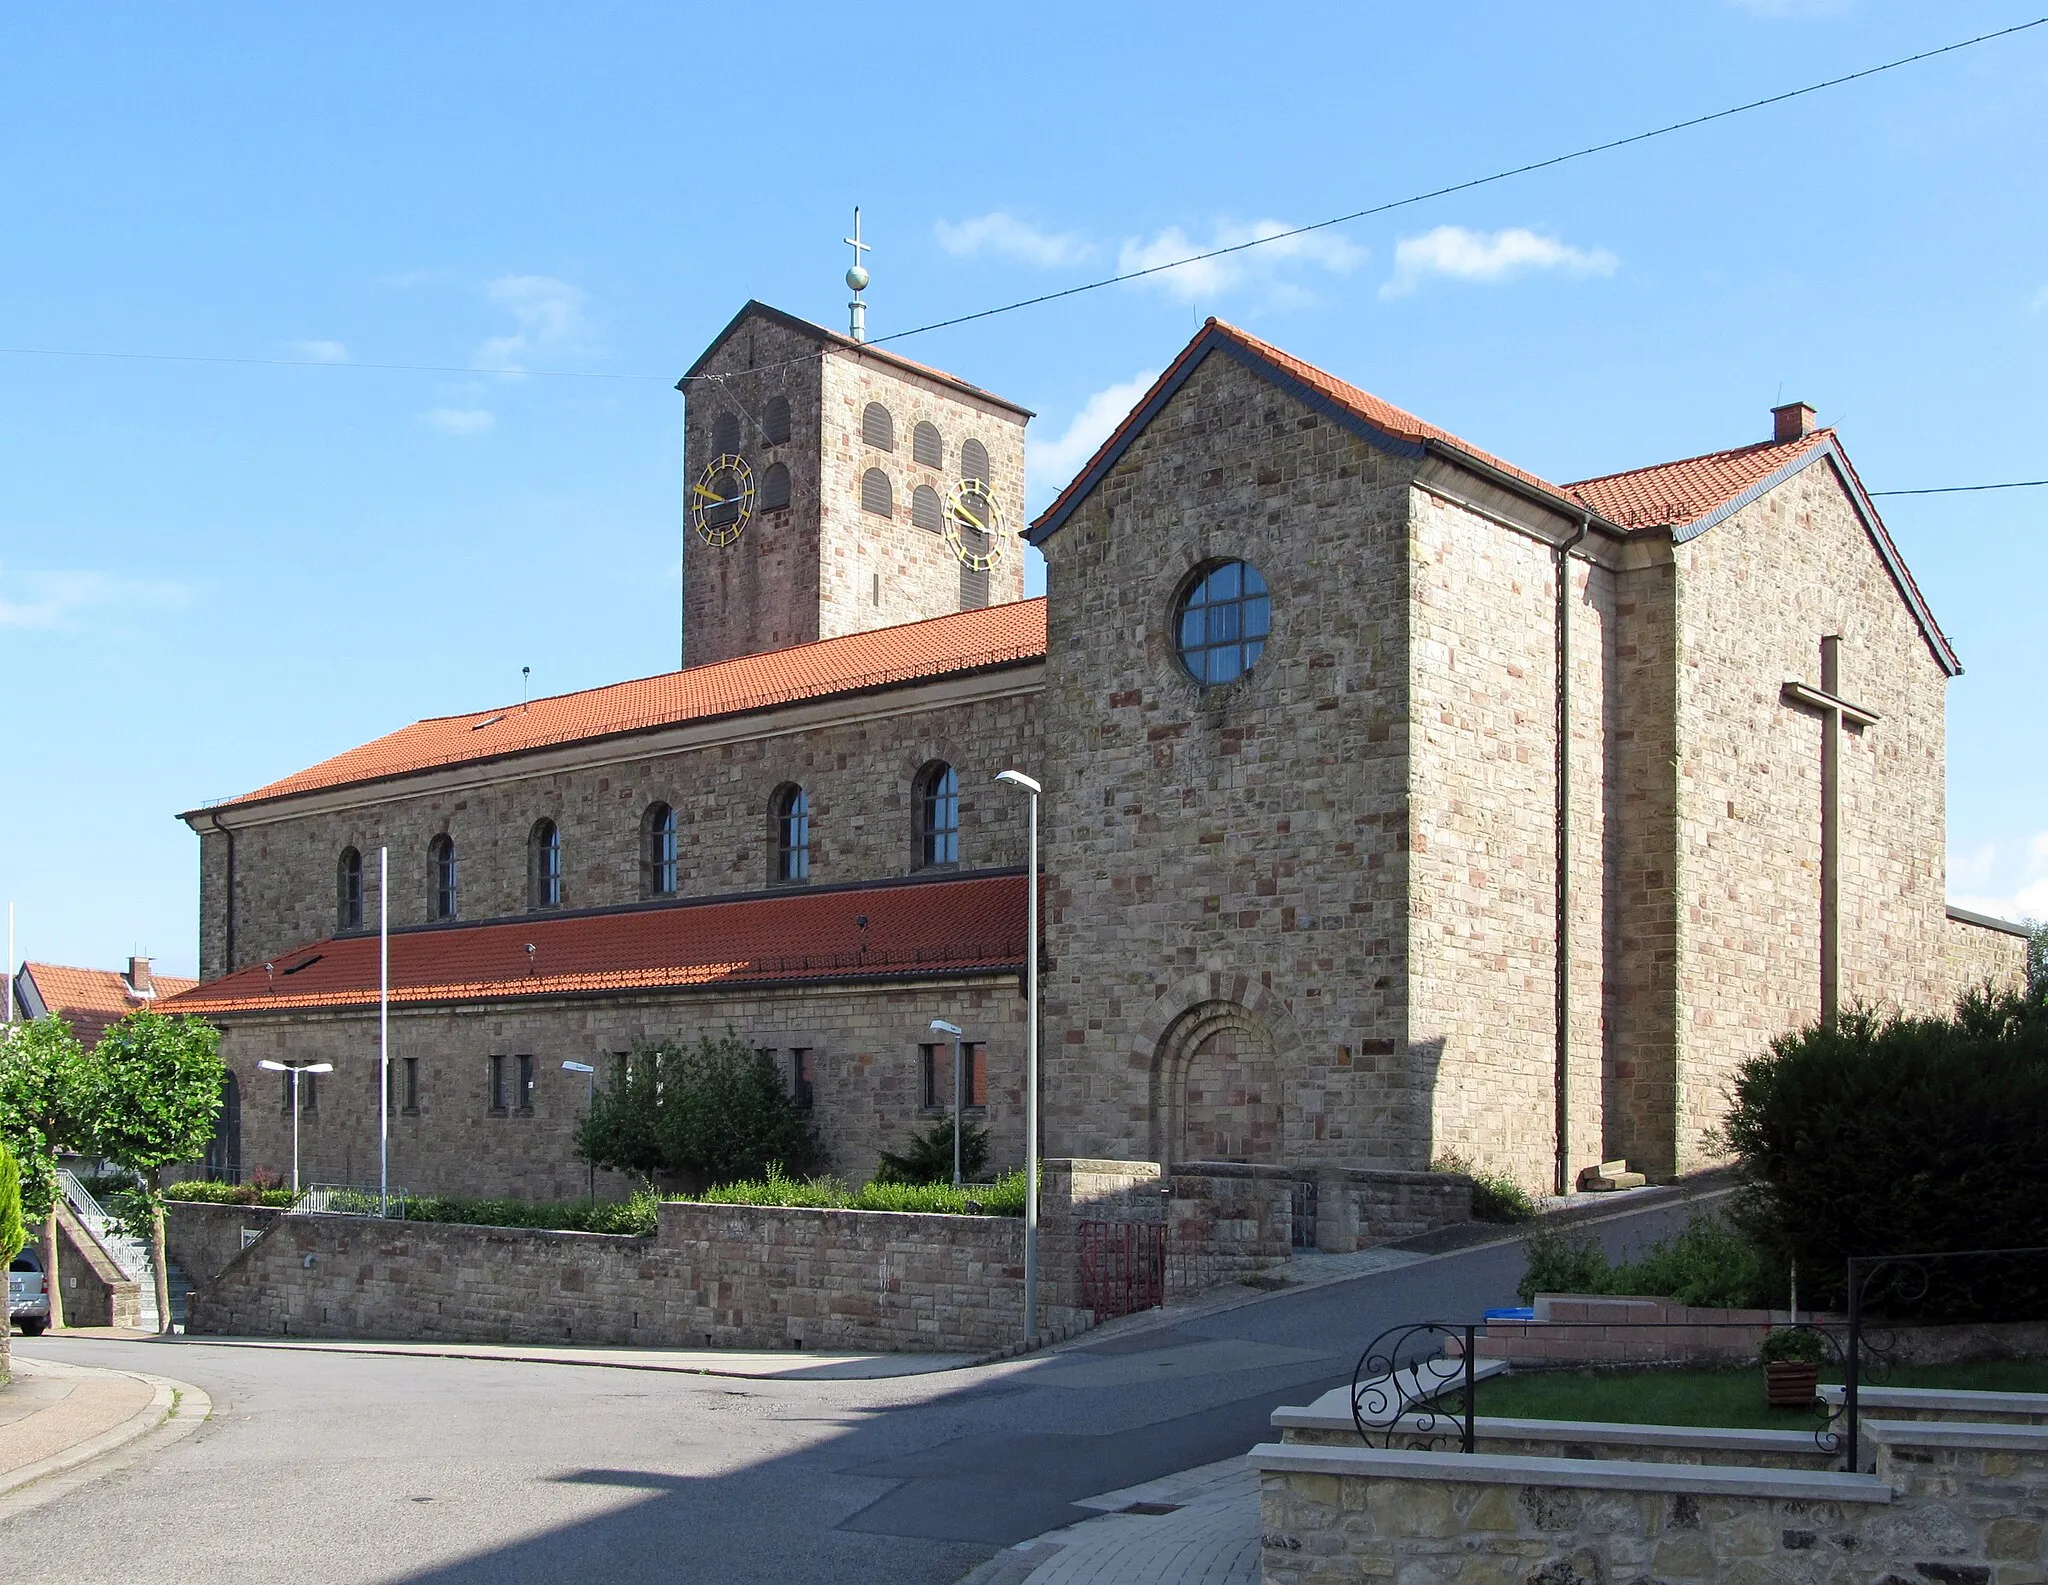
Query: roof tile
pixel 1677 493
pixel 91 999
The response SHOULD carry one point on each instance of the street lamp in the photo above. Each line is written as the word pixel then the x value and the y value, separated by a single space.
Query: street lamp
pixel 589 1101
pixel 941 1027
pixel 295 1068
pixel 1017 778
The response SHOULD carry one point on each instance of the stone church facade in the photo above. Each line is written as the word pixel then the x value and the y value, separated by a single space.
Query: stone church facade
pixel 1510 833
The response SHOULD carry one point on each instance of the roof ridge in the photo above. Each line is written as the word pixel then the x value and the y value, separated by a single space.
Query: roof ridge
pixel 1703 456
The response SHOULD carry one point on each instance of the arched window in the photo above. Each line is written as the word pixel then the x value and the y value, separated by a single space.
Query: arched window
pixel 348 886
pixel 544 865
pixel 792 835
pixel 774 488
pixel 925 511
pixel 725 434
pixel 938 815
pixel 658 849
pixel 974 461
pixel 1221 621
pixel 775 421
pixel 926 449
pixel 877 428
pixel 441 860
pixel 875 494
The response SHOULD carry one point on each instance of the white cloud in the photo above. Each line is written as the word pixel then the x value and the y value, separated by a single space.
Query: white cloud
pixel 548 312
pixel 1010 237
pixel 55 600
pixel 1050 463
pixel 1465 255
pixel 318 351
pixel 459 420
pixel 1213 277
pixel 2028 880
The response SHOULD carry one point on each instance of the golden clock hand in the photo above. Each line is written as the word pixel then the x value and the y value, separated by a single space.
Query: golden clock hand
pixel 976 522
pixel 716 500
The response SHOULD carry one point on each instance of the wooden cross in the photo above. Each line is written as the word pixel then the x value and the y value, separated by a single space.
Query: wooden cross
pixel 1835 712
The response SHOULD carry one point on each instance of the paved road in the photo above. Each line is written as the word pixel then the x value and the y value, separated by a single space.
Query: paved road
pixel 322 1468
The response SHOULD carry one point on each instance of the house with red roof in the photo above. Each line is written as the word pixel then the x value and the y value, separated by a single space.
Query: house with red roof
pixel 91 999
pixel 1398 802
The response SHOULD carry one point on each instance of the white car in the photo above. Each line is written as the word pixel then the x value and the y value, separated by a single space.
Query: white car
pixel 28 1295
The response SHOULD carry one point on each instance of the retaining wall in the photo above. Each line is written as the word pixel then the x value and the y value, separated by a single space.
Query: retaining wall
pixel 95 1291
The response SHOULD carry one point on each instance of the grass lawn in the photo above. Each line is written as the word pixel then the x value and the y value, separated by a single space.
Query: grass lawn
pixel 1709 1397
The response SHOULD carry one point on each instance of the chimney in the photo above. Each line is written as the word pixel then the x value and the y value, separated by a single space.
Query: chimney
pixel 138 977
pixel 1793 421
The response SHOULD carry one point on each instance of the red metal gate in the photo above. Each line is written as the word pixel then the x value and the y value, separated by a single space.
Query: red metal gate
pixel 1123 1267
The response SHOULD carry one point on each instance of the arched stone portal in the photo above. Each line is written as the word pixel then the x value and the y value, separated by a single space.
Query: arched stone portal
pixel 1216 1088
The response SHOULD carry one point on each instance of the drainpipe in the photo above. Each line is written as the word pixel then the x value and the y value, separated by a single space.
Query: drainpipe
pixel 1562 1064
pixel 228 916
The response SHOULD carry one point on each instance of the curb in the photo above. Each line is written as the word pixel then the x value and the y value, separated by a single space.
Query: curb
pixel 517 1354
pixel 176 1406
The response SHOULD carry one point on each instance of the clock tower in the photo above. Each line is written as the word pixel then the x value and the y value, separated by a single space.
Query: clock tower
pixel 831 487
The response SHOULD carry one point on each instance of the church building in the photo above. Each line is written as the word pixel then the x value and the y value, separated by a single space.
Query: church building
pixel 1398 803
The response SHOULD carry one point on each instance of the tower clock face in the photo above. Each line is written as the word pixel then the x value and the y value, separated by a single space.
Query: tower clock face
pixel 722 500
pixel 974 525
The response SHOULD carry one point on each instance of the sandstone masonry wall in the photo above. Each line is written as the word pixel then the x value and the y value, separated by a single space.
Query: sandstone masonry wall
pixel 1239 847
pixel 1974 954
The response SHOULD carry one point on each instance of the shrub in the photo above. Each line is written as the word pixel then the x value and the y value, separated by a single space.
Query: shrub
pixel 930 1156
pixel 715 1111
pixel 13 1232
pixel 1004 1197
pixel 634 1217
pixel 1496 1197
pixel 1706 1262
pixel 200 1192
pixel 1788 1345
pixel 1891 1135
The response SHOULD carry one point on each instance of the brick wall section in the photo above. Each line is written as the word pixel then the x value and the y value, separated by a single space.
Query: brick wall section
pixel 1966 1514
pixel 859 763
pixel 1975 954
pixel 714 1276
pixel 1240 845
pixel 1483 801
pixel 203 1240
pixel 864 1041
pixel 1617 1331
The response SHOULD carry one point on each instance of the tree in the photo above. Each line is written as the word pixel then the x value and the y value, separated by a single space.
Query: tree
pixel 13 1233
pixel 930 1156
pixel 42 1080
pixel 2037 961
pixel 715 1112
pixel 152 1100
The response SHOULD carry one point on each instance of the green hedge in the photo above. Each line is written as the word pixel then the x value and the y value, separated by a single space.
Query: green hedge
pixel 1707 1262
pixel 202 1192
pixel 634 1217
pixel 1004 1197
pixel 1889 1135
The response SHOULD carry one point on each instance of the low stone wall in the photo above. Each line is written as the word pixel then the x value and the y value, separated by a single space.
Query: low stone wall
pixel 1359 1207
pixel 713 1275
pixel 95 1292
pixel 1958 1505
pixel 201 1239
pixel 1596 1330
pixel 1943 1403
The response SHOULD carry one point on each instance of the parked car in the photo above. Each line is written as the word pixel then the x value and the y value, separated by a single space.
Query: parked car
pixel 28 1295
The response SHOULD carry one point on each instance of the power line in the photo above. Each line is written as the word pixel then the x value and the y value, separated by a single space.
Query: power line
pixel 319 363
pixel 1467 186
pixel 1960 489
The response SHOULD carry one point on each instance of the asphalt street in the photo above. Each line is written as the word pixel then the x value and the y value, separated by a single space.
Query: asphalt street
pixel 324 1468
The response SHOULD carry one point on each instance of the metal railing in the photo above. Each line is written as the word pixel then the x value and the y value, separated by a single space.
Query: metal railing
pixel 349 1199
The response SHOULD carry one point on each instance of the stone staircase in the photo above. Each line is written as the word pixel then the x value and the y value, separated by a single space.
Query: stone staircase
pixel 130 1254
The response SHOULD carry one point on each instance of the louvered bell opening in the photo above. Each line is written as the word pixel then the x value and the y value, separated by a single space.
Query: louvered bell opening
pixel 926 449
pixel 875 495
pixel 775 488
pixel 974 461
pixel 877 428
pixel 725 434
pixel 775 421
pixel 925 512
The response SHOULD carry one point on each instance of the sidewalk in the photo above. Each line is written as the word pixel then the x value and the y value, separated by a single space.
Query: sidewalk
pixel 59 1420
pixel 1200 1527
pixel 781 1365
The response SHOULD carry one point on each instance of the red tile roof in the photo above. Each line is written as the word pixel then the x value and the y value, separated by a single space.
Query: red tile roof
pixel 91 999
pixel 1681 492
pixel 1381 415
pixel 924 929
pixel 885 657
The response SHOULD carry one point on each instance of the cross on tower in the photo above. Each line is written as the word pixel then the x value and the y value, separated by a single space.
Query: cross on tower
pixel 1835 712
pixel 857 280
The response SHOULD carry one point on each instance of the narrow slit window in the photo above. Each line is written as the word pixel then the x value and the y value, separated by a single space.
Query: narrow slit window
pixel 939 810
pixel 525 1091
pixel 793 835
pixel 498 1106
pixel 349 885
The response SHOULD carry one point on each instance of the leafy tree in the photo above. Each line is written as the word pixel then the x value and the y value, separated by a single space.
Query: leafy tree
pixel 930 1156
pixel 2037 961
pixel 42 1077
pixel 152 1100
pixel 714 1112
pixel 13 1234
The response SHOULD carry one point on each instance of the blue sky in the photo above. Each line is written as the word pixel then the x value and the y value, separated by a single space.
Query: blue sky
pixel 212 574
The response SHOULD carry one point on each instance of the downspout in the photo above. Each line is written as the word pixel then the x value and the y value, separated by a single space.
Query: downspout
pixel 228 914
pixel 1562 1062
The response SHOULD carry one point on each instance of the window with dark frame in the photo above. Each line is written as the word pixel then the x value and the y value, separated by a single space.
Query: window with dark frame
pixel 544 848
pixel 350 886
pixel 661 860
pixel 285 1103
pixel 935 1065
pixel 774 488
pixel 409 1086
pixel 793 835
pixel 939 816
pixel 1222 622
pixel 803 1078
pixel 498 1107
pixel 525 1091
pixel 309 1091
pixel 441 856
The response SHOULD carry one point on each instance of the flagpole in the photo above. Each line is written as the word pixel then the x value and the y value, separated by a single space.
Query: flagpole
pixel 383 1031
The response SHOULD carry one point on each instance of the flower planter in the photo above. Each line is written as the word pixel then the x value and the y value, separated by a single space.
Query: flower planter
pixel 1791 1384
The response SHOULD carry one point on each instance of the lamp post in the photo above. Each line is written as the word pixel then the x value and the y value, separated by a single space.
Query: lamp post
pixel 1017 778
pixel 295 1068
pixel 941 1027
pixel 589 1100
